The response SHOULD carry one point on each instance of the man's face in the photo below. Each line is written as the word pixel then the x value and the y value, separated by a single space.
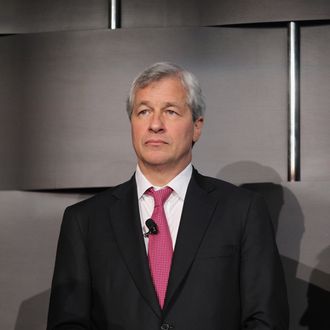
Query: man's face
pixel 162 125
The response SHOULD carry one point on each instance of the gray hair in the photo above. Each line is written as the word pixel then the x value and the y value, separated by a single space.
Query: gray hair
pixel 158 71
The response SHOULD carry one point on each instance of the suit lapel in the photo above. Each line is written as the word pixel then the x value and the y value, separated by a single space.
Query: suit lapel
pixel 196 215
pixel 125 220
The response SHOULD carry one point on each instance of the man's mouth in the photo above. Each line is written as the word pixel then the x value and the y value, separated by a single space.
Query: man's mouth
pixel 155 142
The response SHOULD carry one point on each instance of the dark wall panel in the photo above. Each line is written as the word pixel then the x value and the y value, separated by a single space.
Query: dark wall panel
pixel 76 132
pixel 160 13
pixel 21 16
pixel 10 122
pixel 315 102
pixel 258 11
pixel 166 13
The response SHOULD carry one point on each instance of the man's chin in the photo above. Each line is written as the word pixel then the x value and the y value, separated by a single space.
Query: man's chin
pixel 155 162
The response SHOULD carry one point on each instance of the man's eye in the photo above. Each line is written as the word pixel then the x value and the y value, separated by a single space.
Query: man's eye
pixel 143 112
pixel 171 112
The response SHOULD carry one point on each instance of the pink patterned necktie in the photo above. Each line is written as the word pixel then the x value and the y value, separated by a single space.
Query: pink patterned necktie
pixel 160 248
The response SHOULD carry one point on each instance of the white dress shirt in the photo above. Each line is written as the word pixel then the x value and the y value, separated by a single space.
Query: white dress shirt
pixel 173 205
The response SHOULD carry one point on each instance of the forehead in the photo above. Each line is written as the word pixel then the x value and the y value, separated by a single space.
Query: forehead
pixel 167 88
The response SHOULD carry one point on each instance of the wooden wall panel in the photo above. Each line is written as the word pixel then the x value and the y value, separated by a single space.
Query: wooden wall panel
pixel 10 122
pixel 21 16
pixel 226 12
pixel 160 13
pixel 76 132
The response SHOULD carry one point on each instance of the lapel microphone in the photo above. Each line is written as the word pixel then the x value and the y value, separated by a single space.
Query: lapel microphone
pixel 152 226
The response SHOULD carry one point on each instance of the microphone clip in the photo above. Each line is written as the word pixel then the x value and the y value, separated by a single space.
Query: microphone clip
pixel 152 226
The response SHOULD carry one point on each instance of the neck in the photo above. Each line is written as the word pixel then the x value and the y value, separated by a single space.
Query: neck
pixel 159 175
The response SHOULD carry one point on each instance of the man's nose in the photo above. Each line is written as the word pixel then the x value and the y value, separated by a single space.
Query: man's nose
pixel 156 123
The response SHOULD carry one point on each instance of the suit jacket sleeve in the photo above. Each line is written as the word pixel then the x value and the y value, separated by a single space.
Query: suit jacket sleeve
pixel 263 291
pixel 70 294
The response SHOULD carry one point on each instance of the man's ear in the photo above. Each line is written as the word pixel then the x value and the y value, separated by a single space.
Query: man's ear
pixel 198 125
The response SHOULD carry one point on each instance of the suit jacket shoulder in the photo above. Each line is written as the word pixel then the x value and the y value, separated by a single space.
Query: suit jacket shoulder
pixel 103 198
pixel 226 193
pixel 221 185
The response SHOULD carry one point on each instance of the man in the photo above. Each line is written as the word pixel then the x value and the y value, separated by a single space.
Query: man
pixel 208 259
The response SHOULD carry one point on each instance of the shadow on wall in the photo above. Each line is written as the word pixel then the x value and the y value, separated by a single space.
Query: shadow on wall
pixel 309 302
pixel 32 314
pixel 316 316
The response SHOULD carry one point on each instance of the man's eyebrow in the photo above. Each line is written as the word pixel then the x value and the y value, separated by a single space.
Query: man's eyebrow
pixel 143 103
pixel 171 104
pixel 166 105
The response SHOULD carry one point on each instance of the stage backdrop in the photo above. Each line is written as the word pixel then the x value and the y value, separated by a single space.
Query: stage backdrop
pixel 65 135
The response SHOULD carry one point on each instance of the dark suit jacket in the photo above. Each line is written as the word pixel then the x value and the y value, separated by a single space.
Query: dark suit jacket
pixel 226 272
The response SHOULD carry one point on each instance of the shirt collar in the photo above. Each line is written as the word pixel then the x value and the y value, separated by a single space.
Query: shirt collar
pixel 179 184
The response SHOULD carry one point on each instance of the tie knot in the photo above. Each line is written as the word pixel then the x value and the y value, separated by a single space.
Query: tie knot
pixel 160 196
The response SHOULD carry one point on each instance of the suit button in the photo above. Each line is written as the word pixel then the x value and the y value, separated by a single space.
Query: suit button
pixel 166 326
